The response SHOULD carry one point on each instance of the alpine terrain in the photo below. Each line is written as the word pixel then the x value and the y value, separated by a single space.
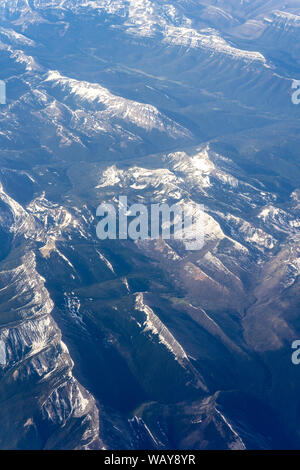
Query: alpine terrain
pixel 142 344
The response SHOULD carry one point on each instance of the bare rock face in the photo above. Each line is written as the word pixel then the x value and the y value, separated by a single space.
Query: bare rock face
pixel 144 344
pixel 37 384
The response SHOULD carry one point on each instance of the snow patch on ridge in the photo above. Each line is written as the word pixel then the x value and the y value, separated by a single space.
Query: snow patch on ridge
pixel 142 115
pixel 156 327
pixel 210 40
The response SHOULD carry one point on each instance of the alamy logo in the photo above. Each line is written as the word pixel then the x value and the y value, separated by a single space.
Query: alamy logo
pixel 296 353
pixel 178 222
pixel 296 94
pixel 2 92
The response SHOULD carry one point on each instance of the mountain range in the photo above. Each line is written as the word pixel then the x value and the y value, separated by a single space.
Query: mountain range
pixel 121 344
